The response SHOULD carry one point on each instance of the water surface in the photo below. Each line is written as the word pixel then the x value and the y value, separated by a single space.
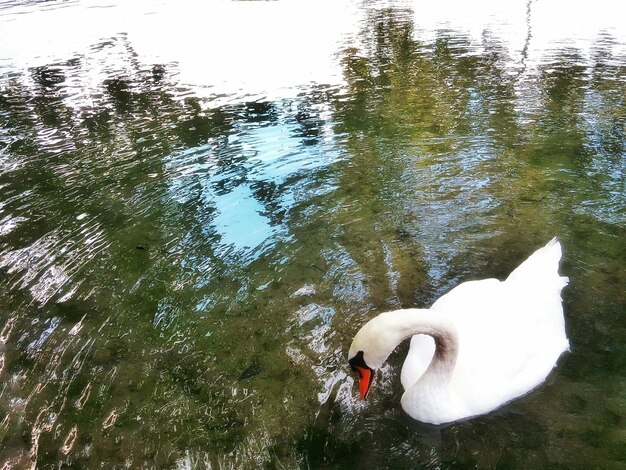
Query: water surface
pixel 200 207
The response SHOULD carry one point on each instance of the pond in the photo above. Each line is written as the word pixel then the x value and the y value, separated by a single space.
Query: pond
pixel 200 206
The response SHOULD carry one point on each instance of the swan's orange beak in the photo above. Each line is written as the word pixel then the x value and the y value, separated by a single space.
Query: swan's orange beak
pixel 365 380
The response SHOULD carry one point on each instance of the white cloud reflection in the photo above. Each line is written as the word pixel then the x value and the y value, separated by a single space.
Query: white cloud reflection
pixel 272 49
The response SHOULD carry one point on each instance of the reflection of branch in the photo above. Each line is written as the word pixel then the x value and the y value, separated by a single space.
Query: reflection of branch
pixel 529 35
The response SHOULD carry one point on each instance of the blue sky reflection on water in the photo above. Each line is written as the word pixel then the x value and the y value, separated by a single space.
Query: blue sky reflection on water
pixel 240 221
pixel 224 175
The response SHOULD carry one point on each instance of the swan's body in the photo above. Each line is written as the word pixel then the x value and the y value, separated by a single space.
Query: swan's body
pixel 479 346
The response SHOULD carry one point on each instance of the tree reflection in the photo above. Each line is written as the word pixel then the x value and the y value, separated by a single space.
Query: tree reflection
pixel 477 157
pixel 144 208
pixel 447 105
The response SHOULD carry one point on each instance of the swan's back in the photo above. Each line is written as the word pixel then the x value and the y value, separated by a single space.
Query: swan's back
pixel 510 333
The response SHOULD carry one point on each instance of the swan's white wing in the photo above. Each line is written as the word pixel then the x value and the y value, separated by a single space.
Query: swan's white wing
pixel 510 333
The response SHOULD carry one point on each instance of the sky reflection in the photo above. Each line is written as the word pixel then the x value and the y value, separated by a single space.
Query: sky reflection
pixel 277 56
pixel 246 180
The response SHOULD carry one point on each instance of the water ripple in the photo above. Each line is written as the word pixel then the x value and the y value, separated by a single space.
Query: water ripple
pixel 161 211
pixel 46 266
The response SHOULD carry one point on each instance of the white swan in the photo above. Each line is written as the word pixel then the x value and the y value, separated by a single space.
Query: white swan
pixel 479 346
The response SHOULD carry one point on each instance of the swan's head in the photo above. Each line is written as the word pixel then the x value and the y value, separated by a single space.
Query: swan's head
pixel 366 373
pixel 371 346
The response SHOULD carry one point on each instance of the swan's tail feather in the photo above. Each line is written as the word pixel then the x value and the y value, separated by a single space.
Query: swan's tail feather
pixel 552 242
pixel 542 267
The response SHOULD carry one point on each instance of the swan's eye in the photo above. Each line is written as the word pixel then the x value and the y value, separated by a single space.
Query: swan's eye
pixel 357 362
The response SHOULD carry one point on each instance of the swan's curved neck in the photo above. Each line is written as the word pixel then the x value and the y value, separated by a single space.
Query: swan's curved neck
pixel 433 324
pixel 380 336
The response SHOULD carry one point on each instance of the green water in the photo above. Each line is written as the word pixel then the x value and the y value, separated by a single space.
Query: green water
pixel 154 233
